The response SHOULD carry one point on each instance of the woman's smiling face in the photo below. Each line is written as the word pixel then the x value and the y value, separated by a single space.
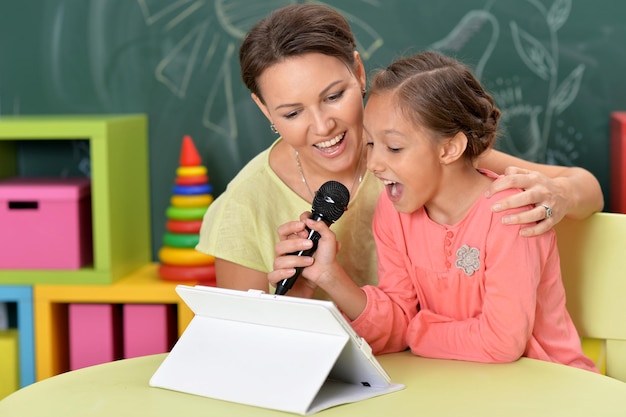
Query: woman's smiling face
pixel 316 104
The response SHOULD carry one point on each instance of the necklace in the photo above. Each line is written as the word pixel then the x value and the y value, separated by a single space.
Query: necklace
pixel 354 181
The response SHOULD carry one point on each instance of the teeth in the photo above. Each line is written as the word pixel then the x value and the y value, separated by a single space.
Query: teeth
pixel 332 142
pixel 394 190
pixel 392 184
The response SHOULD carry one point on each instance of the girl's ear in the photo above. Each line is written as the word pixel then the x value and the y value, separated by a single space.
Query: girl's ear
pixel 453 148
pixel 261 106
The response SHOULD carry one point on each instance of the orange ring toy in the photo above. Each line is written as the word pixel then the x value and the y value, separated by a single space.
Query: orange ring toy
pixel 192 180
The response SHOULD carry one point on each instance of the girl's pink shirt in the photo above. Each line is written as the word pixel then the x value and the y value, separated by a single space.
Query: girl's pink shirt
pixel 472 291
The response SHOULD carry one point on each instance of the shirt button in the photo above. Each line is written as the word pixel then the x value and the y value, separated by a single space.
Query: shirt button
pixel 449 233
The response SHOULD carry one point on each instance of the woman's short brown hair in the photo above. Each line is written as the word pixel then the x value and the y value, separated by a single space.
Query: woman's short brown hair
pixel 291 31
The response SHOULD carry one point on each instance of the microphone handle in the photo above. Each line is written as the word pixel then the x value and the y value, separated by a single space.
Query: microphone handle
pixel 286 284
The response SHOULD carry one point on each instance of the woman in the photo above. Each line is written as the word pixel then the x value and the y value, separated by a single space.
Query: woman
pixel 305 74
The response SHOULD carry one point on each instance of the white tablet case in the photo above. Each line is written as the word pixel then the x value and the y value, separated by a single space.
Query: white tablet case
pixel 284 353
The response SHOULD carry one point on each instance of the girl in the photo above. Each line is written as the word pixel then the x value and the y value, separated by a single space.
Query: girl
pixel 454 282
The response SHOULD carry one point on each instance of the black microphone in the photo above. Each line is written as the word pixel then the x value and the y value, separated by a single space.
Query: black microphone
pixel 329 203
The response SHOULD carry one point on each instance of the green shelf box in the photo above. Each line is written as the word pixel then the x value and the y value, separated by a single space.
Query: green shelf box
pixel 117 149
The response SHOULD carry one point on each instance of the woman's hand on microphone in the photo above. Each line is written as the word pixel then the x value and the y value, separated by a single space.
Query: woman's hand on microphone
pixel 292 239
pixel 320 270
pixel 329 275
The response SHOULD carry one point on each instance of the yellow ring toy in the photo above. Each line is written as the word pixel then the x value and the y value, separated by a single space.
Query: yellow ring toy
pixel 184 257
pixel 185 213
pixel 201 200
pixel 191 171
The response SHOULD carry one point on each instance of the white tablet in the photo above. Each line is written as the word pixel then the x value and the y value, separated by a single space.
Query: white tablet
pixel 272 351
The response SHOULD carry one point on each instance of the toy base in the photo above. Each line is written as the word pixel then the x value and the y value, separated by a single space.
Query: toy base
pixel 204 275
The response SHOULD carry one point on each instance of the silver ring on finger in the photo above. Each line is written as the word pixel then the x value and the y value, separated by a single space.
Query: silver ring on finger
pixel 548 210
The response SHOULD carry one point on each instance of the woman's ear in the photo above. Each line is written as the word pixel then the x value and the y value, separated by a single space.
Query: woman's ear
pixel 261 106
pixel 359 70
pixel 453 148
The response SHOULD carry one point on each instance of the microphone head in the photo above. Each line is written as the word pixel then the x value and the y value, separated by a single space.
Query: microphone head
pixel 331 200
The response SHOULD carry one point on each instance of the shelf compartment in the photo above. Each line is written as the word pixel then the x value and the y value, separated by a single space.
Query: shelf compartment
pixel 51 305
pixel 117 148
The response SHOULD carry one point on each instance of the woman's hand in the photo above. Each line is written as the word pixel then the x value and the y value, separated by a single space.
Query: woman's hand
pixel 568 191
pixel 539 191
pixel 321 269
pixel 292 239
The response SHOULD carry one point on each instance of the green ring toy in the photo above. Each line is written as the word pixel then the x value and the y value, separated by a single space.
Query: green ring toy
pixel 181 240
pixel 185 213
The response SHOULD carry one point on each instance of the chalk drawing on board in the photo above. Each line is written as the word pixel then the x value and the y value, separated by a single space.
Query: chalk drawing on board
pixel 472 23
pixel 207 44
pixel 178 82
pixel 529 125
pixel 367 39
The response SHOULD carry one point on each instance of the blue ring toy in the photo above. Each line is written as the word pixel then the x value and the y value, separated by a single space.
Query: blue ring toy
pixel 192 189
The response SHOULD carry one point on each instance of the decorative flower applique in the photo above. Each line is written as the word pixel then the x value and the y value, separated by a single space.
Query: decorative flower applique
pixel 468 259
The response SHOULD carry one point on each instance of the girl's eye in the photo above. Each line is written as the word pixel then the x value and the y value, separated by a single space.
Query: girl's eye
pixel 394 150
pixel 369 144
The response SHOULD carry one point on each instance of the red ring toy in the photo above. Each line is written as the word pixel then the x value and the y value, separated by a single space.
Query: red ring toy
pixel 204 274
pixel 183 226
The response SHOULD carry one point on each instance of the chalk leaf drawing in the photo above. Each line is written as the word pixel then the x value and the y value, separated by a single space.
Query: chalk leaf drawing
pixel 558 14
pixel 527 124
pixel 567 91
pixel 470 25
pixel 533 53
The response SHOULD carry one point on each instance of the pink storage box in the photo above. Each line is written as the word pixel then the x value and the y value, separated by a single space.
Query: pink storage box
pixel 148 329
pixel 45 223
pixel 95 334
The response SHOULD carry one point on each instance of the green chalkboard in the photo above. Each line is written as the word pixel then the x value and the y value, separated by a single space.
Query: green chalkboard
pixel 556 67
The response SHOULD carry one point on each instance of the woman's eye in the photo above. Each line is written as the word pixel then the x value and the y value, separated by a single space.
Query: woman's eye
pixel 394 150
pixel 335 97
pixel 291 115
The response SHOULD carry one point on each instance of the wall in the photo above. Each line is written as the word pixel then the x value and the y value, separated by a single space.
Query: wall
pixel 555 67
